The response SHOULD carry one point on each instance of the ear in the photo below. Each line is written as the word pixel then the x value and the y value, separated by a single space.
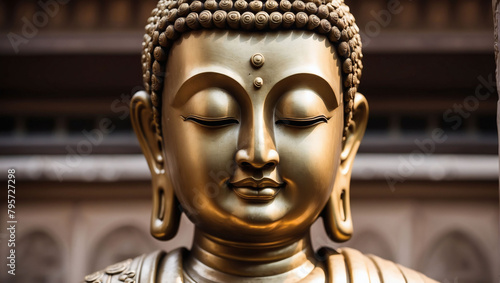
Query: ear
pixel 166 215
pixel 337 212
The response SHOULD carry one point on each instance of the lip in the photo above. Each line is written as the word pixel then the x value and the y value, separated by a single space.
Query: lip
pixel 263 190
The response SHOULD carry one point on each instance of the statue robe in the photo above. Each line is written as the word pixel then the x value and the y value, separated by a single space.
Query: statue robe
pixel 341 266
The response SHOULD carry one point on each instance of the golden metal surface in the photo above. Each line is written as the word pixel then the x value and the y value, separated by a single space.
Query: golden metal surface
pixel 252 165
pixel 253 168
pixel 254 153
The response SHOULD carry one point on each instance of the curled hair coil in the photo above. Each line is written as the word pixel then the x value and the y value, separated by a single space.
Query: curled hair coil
pixel 261 20
pixel 192 21
pixel 159 54
pixel 219 18
pixel 323 12
pixel 271 6
pixel 298 6
pixel 285 6
pixel 301 19
pixel 172 15
pixel 211 5
pixel 233 19
pixel 311 8
pixel 226 5
pixel 255 6
pixel 196 6
pixel 205 19
pixel 324 26
pixel 313 22
pixel 247 20
pixel 241 6
pixel 163 40
pixel 180 25
pixel 171 33
pixel 288 19
pixel 275 20
pixel 183 10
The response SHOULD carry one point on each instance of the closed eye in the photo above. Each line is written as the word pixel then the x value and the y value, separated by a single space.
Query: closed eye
pixel 303 122
pixel 211 122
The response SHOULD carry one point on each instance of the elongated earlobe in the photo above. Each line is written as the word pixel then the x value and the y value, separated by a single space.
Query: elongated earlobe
pixel 166 213
pixel 337 212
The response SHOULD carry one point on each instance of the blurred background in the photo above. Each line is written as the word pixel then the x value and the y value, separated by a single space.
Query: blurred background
pixel 425 183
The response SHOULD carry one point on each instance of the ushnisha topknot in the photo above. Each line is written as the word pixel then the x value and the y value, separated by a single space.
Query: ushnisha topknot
pixel 330 18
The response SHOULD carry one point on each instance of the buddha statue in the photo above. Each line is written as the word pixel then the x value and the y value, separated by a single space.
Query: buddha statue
pixel 250 122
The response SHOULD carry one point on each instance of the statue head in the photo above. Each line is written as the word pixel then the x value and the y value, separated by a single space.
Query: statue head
pixel 251 118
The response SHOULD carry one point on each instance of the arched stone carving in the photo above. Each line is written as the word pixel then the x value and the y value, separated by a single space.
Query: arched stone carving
pixel 39 259
pixel 456 257
pixel 120 244
pixel 370 242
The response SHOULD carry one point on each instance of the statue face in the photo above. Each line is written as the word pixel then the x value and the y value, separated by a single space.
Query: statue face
pixel 252 149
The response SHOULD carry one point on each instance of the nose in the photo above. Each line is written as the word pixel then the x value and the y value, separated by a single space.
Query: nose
pixel 259 150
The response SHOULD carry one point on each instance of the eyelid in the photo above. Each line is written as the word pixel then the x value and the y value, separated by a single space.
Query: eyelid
pixel 210 121
pixel 303 122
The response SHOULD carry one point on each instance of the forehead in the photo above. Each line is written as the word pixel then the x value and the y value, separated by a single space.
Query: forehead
pixel 286 53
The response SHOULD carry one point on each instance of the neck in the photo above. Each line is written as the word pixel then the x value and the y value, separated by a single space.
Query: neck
pixel 217 260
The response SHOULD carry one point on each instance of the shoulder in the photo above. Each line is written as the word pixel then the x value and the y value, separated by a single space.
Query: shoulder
pixel 349 265
pixel 144 268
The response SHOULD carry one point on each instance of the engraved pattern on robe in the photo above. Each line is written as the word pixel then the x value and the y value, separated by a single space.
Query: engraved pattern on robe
pixel 344 265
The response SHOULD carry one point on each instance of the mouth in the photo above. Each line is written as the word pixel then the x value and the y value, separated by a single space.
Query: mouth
pixel 264 190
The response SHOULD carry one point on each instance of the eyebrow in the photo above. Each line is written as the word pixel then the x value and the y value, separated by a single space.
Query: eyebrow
pixel 312 81
pixel 232 83
pixel 204 80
